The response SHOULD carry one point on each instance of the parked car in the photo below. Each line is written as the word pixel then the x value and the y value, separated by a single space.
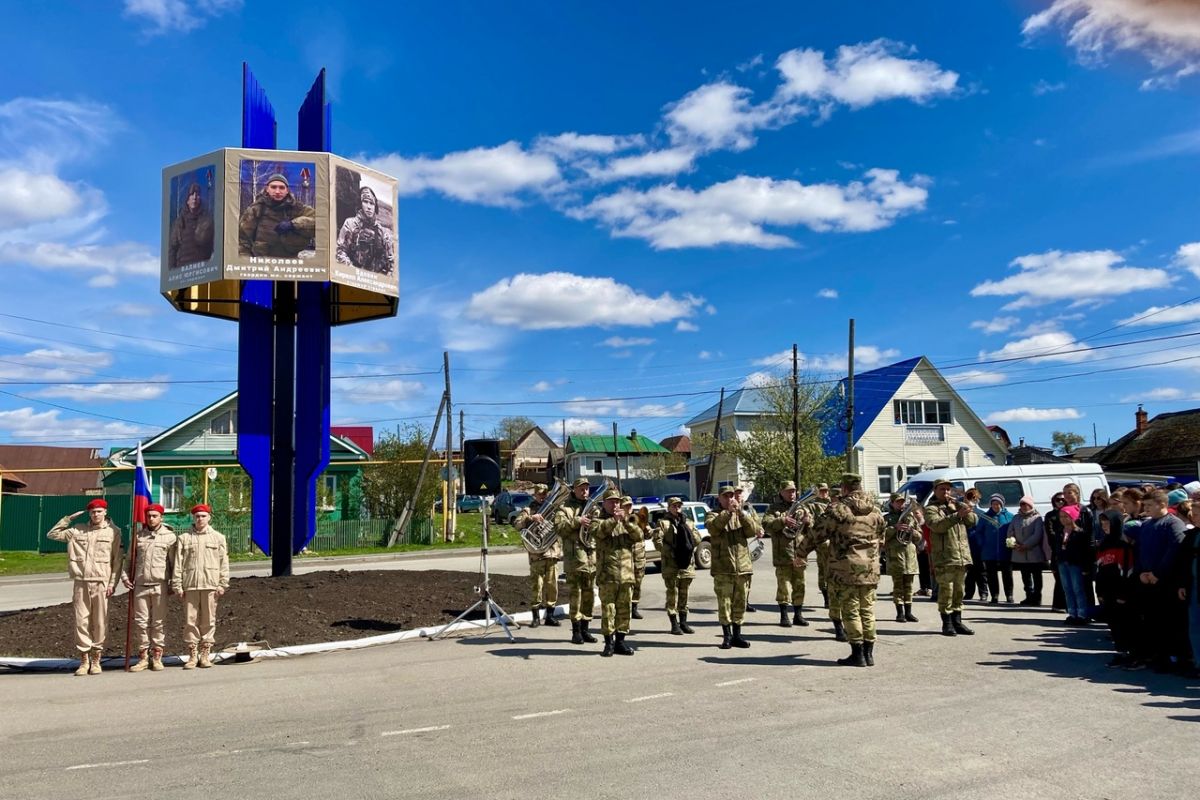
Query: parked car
pixel 1039 481
pixel 696 512
pixel 469 502
pixel 760 508
pixel 509 504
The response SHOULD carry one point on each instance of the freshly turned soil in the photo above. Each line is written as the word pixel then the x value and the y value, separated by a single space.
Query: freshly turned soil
pixel 302 609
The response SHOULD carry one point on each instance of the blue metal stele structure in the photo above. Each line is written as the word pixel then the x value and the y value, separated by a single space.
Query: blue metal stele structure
pixel 288 244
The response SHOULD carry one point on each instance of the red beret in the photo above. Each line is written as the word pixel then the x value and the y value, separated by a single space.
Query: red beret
pixel 201 507
pixel 155 507
pixel 97 503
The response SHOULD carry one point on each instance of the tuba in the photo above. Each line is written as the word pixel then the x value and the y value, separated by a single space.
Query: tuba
pixel 912 518
pixel 800 512
pixel 538 537
pixel 586 538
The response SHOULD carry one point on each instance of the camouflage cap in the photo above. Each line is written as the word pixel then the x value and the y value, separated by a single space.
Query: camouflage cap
pixel 821 486
pixel 739 488
pixel 726 490
pixel 788 485
pixel 610 494
pixel 540 487
pixel 941 482
pixel 674 501
pixel 580 482
pixel 851 477
pixel 897 496
pixel 626 500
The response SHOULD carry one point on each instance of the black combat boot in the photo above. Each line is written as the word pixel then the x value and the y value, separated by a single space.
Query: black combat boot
pixel 675 625
pixel 620 646
pixel 576 632
pixel 608 645
pixel 537 617
pixel 798 617
pixel 869 653
pixel 725 645
pixel 855 659
pixel 825 597
pixel 839 630
pixel 900 614
pixel 784 620
pixel 736 640
pixel 634 613
pixel 683 625
pixel 908 614
pixel 750 608
pixel 585 633
pixel 959 628
pixel 948 626
pixel 550 620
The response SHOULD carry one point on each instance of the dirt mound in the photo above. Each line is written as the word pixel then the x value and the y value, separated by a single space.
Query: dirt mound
pixel 314 607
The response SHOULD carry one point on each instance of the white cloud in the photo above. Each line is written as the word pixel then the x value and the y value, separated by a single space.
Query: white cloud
pixel 494 176
pixel 344 347
pixel 1188 257
pixel 622 341
pixel 683 326
pixel 977 377
pixel 1026 414
pixel 30 198
pixel 563 300
pixel 541 386
pixel 1072 277
pixel 720 116
pixel 1165 32
pixel 757 379
pixel 704 355
pixel 571 146
pixel 577 426
pixel 656 163
pixel 48 427
pixel 861 75
pixel 367 391
pixel 165 16
pixel 865 357
pixel 828 294
pixel 623 409
pixel 1159 315
pixel 1045 346
pixel 1165 393
pixel 40 135
pixel 1043 87
pixel 775 359
pixel 736 211
pixel 995 325
pixel 107 392
pixel 109 260
pixel 1042 326
pixel 134 310
pixel 53 364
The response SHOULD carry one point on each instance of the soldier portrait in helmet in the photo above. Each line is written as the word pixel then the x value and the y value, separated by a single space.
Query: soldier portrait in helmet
pixel 366 221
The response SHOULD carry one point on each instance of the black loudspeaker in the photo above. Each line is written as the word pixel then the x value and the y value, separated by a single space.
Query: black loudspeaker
pixel 481 466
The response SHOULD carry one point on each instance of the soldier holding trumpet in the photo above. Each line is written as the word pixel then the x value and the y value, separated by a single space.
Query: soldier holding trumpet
pixel 950 551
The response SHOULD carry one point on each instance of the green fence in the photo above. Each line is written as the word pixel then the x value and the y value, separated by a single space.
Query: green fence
pixel 25 518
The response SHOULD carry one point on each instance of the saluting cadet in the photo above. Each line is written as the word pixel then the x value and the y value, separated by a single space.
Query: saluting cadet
pixel 94 564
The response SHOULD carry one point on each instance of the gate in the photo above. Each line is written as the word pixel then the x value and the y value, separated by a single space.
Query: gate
pixel 25 518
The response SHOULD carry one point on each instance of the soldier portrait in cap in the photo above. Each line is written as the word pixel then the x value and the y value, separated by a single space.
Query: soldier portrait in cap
pixel 366 220
pixel 192 233
pixel 277 219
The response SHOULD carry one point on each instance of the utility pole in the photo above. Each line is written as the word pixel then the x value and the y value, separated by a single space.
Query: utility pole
pixel 564 429
pixel 796 415
pixel 850 402
pixel 406 512
pixel 616 457
pixel 450 507
pixel 1094 435
pixel 712 453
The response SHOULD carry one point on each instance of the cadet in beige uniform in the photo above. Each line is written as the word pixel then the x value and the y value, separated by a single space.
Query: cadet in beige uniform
pixel 94 564
pixel 201 575
pixel 149 584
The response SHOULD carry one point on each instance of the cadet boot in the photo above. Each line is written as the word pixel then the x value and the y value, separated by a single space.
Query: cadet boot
pixel 536 619
pixel 191 659
pixel 634 613
pixel 94 663
pixel 855 659
pixel 576 636
pixel 608 646
pixel 142 663
pixel 585 633
pixel 900 614
pixel 798 617
pixel 908 614
pixel 725 637
pixel 948 626
pixel 959 628
pixel 205 649
pixel 85 660
pixel 784 620
pixel 156 664
pixel 736 640
pixel 683 624
pixel 868 650
pixel 550 620
pixel 620 647
pixel 675 629
pixel 839 631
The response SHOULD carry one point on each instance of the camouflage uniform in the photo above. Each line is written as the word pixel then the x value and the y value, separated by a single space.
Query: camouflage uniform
pixel 639 557
pixel 728 532
pixel 789 577
pixel 151 580
pixel 614 573
pixel 950 555
pixel 543 569
pixel 817 507
pixel 678 580
pixel 579 564
pixel 364 243
pixel 854 528
pixel 94 565
pixel 901 551
pixel 256 228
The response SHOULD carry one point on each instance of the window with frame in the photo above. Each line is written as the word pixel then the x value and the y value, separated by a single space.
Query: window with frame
pixel 223 423
pixel 886 480
pixel 329 492
pixel 597 466
pixel 911 470
pixel 922 412
pixel 170 493
pixel 1012 491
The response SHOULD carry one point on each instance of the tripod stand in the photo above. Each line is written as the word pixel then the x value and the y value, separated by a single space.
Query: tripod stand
pixel 490 606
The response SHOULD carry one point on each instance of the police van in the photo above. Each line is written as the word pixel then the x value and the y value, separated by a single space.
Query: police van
pixel 1039 481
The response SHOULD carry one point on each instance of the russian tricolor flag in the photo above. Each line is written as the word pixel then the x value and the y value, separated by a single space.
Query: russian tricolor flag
pixel 141 490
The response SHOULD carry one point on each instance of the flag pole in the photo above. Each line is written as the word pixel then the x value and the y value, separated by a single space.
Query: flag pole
pixel 139 473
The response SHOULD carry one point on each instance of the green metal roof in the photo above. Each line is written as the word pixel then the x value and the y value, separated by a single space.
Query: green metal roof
pixel 604 444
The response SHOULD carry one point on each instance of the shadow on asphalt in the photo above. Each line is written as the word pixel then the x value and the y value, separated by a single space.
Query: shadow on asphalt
pixel 785 660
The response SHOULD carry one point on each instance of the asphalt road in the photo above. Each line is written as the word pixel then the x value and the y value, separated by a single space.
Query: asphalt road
pixel 1025 709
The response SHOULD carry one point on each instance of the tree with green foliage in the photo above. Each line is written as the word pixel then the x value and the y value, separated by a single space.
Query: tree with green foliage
pixel 1066 441
pixel 387 487
pixel 510 429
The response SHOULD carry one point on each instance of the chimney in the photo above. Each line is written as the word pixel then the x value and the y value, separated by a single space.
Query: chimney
pixel 1022 442
pixel 1139 418
pixel 633 434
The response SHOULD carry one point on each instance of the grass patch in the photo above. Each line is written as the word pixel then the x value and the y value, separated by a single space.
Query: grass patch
pixel 23 563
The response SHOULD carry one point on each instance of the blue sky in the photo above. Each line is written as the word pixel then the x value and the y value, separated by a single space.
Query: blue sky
pixel 630 201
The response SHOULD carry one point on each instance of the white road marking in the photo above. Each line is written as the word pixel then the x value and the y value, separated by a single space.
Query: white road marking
pixel 110 764
pixel 543 714
pixel 734 683
pixel 416 730
pixel 649 697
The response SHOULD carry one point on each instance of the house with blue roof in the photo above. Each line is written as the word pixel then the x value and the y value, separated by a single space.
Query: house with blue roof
pixel 907 419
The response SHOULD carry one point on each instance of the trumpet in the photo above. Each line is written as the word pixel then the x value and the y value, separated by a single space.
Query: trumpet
pixel 908 524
